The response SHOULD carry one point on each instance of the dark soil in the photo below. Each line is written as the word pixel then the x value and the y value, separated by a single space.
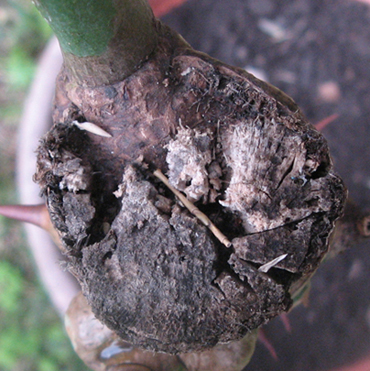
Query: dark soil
pixel 319 53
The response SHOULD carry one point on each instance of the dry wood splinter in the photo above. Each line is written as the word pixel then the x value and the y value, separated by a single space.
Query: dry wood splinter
pixel 194 210
pixel 92 128
pixel 266 267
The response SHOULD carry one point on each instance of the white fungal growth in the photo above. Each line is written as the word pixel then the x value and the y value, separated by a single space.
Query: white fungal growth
pixel 188 156
pixel 92 128
pixel 120 191
pixel 74 175
pixel 74 182
pixel 186 72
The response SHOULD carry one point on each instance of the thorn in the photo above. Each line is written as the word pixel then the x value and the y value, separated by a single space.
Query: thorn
pixel 35 214
pixel 194 210
pixel 266 342
pixel 325 122
pixel 286 322
pixel 162 7
pixel 362 365
pixel 92 128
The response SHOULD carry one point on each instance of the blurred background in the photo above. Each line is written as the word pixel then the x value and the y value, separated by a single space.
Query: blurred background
pixel 32 335
pixel 317 51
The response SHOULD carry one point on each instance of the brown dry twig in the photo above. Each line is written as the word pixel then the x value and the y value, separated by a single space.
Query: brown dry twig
pixel 193 209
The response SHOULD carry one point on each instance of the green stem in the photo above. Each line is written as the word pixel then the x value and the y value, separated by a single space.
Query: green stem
pixel 103 41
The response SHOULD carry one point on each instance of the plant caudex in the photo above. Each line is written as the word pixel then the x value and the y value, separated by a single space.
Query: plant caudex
pixel 237 148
